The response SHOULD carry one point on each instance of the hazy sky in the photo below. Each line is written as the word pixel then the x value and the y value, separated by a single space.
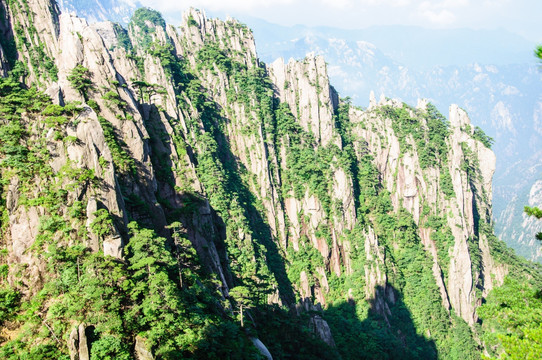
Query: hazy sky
pixel 523 17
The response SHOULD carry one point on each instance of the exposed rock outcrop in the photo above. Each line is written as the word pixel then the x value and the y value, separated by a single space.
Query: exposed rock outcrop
pixel 262 348
pixel 142 350
pixel 314 199
pixel 304 86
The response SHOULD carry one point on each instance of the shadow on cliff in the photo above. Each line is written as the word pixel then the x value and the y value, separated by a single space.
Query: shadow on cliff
pixel 261 231
pixel 381 328
pixel 174 204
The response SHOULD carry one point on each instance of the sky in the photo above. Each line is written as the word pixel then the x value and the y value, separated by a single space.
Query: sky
pixel 522 17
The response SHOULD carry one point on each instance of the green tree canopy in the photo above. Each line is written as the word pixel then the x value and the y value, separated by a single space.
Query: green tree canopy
pixel 537 213
pixel 242 296
pixel 80 79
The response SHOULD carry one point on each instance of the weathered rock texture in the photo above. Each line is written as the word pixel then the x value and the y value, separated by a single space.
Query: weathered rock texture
pixel 252 204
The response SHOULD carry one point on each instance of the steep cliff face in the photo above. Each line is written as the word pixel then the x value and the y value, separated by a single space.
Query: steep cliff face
pixel 172 166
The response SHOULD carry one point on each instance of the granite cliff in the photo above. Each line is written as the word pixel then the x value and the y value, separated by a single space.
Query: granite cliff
pixel 164 184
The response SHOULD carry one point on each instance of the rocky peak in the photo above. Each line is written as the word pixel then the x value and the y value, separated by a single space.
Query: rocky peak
pixel 192 149
pixel 304 86
pixel 458 117
pixel 234 38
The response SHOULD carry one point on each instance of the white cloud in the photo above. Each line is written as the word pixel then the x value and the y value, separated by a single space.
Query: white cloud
pixel 441 13
pixel 439 17
pixel 230 5
pixel 518 16
pixel 454 3
pixel 340 4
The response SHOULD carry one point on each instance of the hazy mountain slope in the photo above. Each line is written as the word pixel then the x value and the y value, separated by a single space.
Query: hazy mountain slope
pixel 100 10
pixel 417 48
pixel 501 93
pixel 174 197
pixel 489 73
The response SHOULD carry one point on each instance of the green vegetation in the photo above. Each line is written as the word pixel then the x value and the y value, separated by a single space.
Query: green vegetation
pixel 480 135
pixel 511 318
pixel 113 98
pixel 28 46
pixel 9 303
pixel 192 21
pixel 80 80
pixel 102 224
pixel 429 138
pixel 121 299
pixel 7 42
pixel 143 23
pixel 202 270
pixel 122 37
pixel 537 213
pixel 122 160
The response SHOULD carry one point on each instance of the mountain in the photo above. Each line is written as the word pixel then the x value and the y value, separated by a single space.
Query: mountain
pixel 492 74
pixel 165 194
pixel 119 11
pixel 500 86
pixel 414 47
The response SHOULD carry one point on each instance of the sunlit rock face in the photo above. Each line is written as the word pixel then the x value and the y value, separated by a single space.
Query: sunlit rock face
pixel 258 179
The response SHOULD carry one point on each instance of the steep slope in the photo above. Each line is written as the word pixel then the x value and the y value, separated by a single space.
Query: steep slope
pixel 173 196
pixel 499 86
pixel 119 11
pixel 500 92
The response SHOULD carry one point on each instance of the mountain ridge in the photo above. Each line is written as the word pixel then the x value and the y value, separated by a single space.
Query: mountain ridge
pixel 175 173
pixel 504 99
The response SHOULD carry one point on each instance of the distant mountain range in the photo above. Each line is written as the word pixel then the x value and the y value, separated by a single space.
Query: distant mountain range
pixel 118 11
pixel 167 194
pixel 492 74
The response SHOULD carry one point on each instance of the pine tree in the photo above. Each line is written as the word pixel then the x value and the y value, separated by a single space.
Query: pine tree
pixel 79 78
pixel 537 213
pixel 242 296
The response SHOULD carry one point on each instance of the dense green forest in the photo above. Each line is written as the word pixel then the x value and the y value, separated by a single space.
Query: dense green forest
pixel 203 271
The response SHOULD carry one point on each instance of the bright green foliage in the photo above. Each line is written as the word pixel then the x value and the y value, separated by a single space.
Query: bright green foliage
pixel 17 350
pixel 533 211
pixel 32 49
pixel 123 299
pixel 186 257
pixel 122 160
pixel 537 213
pixel 102 224
pixel 538 52
pixel 122 37
pixel 144 22
pixel 160 309
pixel 109 348
pixel 9 302
pixel 146 90
pixel 242 297
pixel 212 55
pixel 162 292
pixel 512 318
pixel 430 139
pixel 80 80
pixel 144 14
pixel 192 21
pixel 306 259
pixel 113 98
pixel 306 168
pixel 227 190
pixel 480 135
pixel 357 321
